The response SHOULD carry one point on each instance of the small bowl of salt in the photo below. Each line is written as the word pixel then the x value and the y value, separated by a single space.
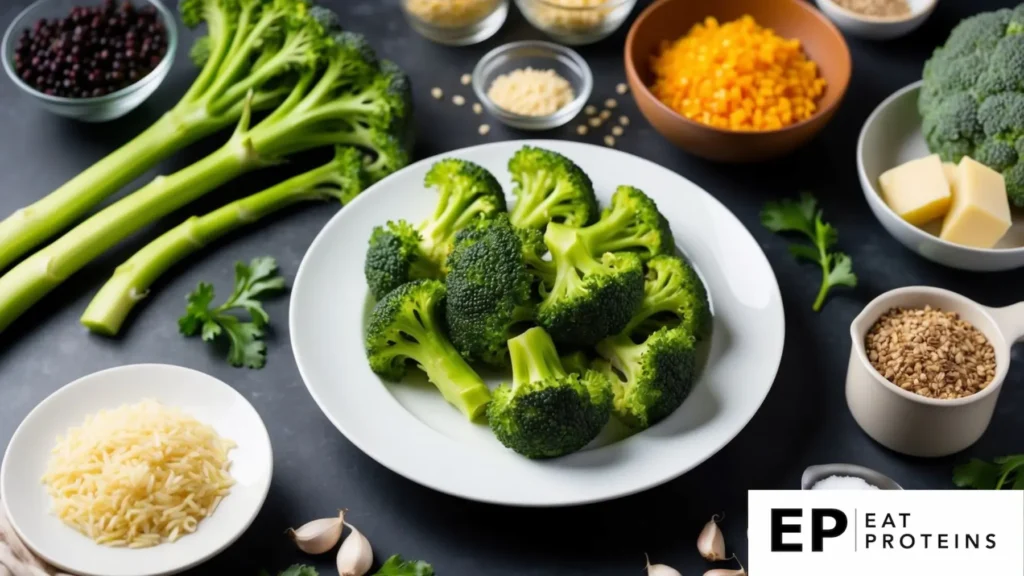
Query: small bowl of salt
pixel 845 477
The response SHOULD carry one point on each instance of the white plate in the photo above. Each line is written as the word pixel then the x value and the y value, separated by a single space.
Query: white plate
pixel 410 429
pixel 204 397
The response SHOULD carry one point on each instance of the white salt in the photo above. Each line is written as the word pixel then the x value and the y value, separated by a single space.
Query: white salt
pixel 843 483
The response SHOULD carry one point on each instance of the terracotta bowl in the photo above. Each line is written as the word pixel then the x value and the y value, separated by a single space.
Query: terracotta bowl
pixel 667 20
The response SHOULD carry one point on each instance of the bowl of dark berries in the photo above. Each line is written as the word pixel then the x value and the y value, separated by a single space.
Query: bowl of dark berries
pixel 90 61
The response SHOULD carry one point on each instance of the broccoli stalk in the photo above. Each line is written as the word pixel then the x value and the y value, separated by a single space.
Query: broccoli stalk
pixel 631 224
pixel 251 45
pixel 341 179
pixel 407 324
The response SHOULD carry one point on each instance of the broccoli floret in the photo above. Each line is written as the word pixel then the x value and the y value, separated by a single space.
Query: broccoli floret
pixel 534 252
pixel 576 362
pixel 673 296
pixel 592 295
pixel 972 99
pixel 490 290
pixel 631 224
pixel 394 258
pixel 547 412
pixel 550 188
pixel 407 325
pixel 650 379
pixel 466 191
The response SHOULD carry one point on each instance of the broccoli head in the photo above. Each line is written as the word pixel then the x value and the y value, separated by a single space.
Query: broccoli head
pixel 490 290
pixel 592 295
pixel 673 296
pixel 550 188
pixel 631 224
pixel 407 325
pixel 547 412
pixel 972 98
pixel 650 380
pixel 395 257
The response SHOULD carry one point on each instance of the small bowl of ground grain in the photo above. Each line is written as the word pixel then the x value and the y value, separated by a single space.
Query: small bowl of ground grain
pixel 533 85
pixel 926 367
pixel 576 22
pixel 878 19
pixel 456 22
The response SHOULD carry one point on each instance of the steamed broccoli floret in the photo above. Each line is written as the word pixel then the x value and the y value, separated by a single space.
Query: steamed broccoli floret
pixel 673 296
pixel 550 188
pixel 407 325
pixel 547 412
pixel 972 99
pixel 650 379
pixel 592 295
pixel 490 290
pixel 576 362
pixel 631 224
pixel 399 252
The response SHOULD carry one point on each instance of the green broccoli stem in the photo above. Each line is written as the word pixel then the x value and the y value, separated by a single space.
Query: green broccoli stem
pixel 25 284
pixel 534 357
pixel 621 352
pixel 131 281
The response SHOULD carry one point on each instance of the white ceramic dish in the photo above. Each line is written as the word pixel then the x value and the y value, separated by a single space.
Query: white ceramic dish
pixel 410 429
pixel 874 27
pixel 202 396
pixel 892 136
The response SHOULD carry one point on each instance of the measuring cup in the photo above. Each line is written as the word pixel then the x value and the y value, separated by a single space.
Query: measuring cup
pixel 913 424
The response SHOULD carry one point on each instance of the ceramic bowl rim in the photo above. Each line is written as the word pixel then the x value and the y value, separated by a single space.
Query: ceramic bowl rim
pixel 633 74
pixel 857 338
pixel 607 5
pixel 868 187
pixel 882 20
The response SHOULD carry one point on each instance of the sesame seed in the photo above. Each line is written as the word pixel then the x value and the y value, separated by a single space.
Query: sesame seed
pixel 617 130
pixel 466 79
pixel 595 122
pixel 477 108
pixel 581 129
pixel 622 88
pixel 590 110
pixel 609 141
pixel 624 120
pixel 437 93
pixel 606 114
pixel 484 129
pixel 458 100
pixel 610 103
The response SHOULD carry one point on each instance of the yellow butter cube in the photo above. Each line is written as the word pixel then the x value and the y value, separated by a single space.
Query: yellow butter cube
pixel 980 213
pixel 917 190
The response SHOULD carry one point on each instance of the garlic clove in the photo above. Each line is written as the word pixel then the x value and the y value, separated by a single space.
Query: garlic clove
pixel 355 555
pixel 320 535
pixel 728 572
pixel 660 569
pixel 711 542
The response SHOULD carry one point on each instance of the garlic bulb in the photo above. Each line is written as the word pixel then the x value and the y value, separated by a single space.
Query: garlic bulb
pixel 320 535
pixel 355 555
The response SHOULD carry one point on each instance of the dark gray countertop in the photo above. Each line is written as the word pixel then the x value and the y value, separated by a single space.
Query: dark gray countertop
pixel 804 421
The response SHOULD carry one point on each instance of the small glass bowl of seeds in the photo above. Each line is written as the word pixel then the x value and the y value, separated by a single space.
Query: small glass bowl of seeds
pixel 576 22
pixel 91 60
pixel 456 22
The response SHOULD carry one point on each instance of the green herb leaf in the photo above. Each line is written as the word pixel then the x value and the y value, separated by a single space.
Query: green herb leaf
pixel 396 566
pixel 803 216
pixel 1004 472
pixel 246 347
pixel 299 570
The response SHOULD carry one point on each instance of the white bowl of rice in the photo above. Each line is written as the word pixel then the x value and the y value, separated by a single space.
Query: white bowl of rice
pixel 141 470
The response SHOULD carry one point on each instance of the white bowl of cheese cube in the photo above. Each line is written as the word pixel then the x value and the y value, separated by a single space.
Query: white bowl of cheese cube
pixel 965 225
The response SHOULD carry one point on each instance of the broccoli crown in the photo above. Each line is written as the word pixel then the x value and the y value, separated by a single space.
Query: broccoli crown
pixel 489 290
pixel 972 99
pixel 407 325
pixel 673 296
pixel 394 258
pixel 550 188
pixel 547 412
pixel 651 379
pixel 466 192
pixel 347 175
pixel 591 297
pixel 632 223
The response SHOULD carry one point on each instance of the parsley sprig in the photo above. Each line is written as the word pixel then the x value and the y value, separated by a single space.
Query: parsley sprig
pixel 804 217
pixel 394 566
pixel 1004 472
pixel 246 346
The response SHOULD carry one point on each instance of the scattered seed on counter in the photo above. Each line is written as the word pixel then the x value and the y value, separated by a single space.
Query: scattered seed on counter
pixel 610 103
pixel 437 93
pixel 458 100
pixel 609 141
pixel 581 129
pixel 590 110
pixel 624 120
pixel 931 353
pixel 622 89
pixel 617 130
pixel 466 79
pixel 484 129
pixel 595 122
pixel 477 108
pixel 605 114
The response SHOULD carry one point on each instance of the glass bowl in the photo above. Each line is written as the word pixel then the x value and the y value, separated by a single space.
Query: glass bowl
pixel 541 56
pixel 100 108
pixel 573 24
pixel 456 22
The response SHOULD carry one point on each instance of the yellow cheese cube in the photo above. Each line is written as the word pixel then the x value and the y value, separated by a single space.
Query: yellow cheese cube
pixel 980 213
pixel 949 169
pixel 917 190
